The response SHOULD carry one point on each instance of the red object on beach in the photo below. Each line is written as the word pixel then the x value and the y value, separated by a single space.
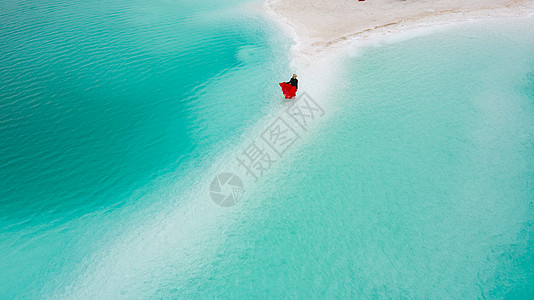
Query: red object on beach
pixel 288 90
pixel 361 0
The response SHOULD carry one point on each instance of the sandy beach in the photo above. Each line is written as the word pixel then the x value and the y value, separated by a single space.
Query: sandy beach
pixel 319 25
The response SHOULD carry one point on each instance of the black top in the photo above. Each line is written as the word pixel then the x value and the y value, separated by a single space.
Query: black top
pixel 294 82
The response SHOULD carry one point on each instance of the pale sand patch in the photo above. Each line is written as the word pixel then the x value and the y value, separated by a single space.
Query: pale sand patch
pixel 318 25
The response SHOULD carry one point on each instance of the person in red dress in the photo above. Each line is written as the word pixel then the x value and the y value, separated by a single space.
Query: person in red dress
pixel 290 88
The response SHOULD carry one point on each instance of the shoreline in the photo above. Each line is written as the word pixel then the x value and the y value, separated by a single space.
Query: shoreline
pixel 350 22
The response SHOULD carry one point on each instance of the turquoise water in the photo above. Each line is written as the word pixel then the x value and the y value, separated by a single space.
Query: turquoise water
pixel 419 185
pixel 115 116
pixel 100 102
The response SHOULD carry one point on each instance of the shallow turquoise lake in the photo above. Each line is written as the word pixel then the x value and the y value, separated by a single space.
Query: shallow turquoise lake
pixel 114 117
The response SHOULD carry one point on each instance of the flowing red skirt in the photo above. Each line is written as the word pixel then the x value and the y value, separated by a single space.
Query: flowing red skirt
pixel 288 90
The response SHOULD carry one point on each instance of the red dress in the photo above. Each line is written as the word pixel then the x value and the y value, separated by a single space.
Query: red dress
pixel 288 90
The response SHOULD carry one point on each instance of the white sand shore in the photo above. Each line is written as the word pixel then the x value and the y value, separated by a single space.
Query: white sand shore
pixel 319 25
